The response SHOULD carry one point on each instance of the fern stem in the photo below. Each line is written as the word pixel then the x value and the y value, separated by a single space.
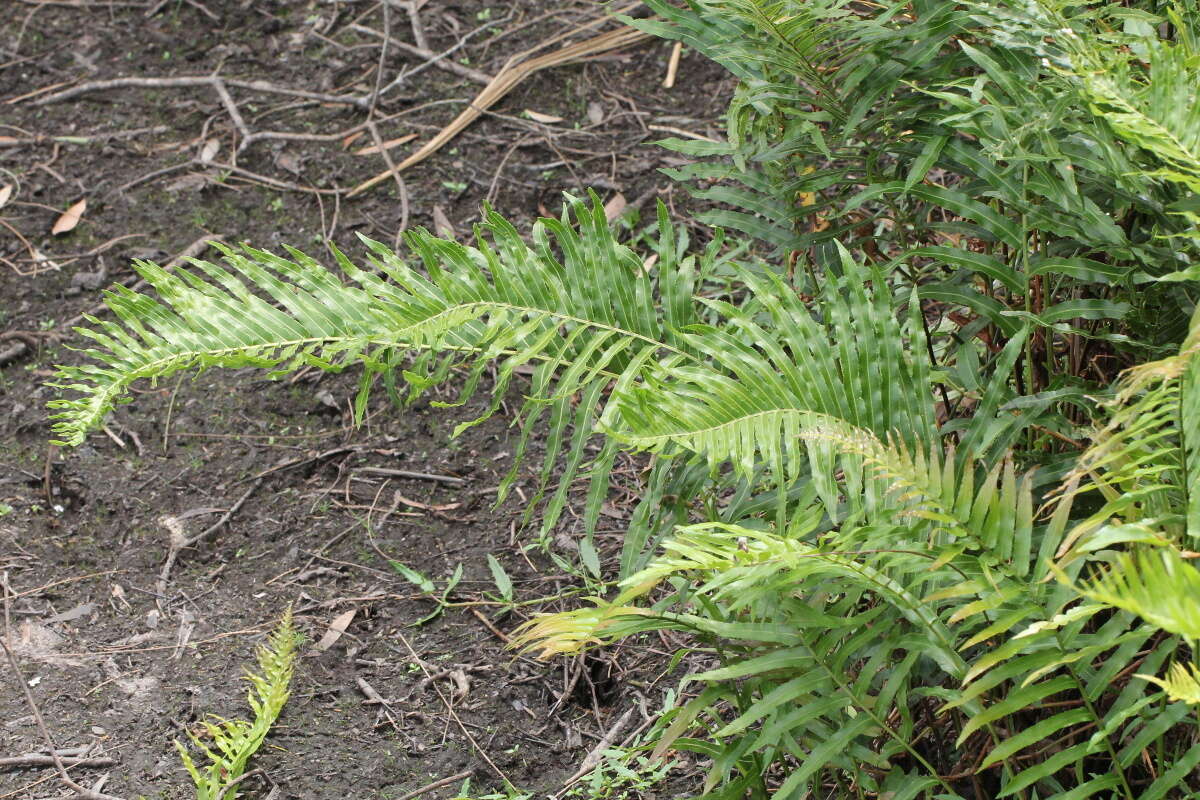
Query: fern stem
pixel 1099 721
pixel 865 709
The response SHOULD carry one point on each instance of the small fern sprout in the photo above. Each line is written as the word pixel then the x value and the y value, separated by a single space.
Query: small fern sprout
pixel 234 741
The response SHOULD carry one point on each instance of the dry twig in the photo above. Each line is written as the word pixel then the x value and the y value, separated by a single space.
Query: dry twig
pixel 201 80
pixel 432 59
pixel 48 760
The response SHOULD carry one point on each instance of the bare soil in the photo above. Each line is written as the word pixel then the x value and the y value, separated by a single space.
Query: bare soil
pixel 121 665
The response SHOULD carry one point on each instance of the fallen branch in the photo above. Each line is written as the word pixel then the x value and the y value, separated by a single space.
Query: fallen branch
pixel 272 182
pixel 403 473
pixel 505 81
pixel 43 760
pixel 13 141
pixel 437 784
pixel 201 80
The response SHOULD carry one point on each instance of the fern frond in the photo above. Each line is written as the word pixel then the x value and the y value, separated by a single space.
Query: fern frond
pixel 1157 584
pixel 584 319
pixel 235 741
pixel 1145 461
pixel 790 393
pixel 1181 683
pixel 281 314
pixel 1158 111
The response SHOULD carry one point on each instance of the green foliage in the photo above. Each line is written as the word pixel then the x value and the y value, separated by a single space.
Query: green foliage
pixel 580 321
pixel 234 741
pixel 621 774
pixel 923 478
pixel 1181 683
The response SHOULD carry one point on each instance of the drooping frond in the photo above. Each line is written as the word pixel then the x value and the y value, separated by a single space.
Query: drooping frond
pixel 597 308
pixel 582 318
pixel 789 391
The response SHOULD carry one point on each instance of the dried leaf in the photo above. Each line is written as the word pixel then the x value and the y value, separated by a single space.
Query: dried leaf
pixel 5 193
pixel 187 624
pixel 193 181
pixel 209 150
pixel 81 610
pixel 288 161
pixel 70 218
pixel 388 145
pixel 118 593
pixel 545 119
pixel 614 207
pixel 39 643
pixel 462 684
pixel 595 112
pixel 336 629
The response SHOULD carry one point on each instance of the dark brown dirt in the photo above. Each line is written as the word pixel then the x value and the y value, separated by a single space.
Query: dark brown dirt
pixel 114 664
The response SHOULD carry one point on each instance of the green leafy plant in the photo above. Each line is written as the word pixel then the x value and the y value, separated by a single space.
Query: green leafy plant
pixel 427 586
pixel 621 774
pixel 233 741
pixel 921 444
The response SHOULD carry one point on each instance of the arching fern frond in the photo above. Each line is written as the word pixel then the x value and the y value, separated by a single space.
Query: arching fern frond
pixel 1145 462
pixel 576 305
pixel 798 394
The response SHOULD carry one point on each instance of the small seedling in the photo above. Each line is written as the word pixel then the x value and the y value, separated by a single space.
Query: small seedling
pixel 427 586
pixel 234 741
pixel 504 583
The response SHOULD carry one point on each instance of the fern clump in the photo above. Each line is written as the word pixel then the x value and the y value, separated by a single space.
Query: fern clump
pixel 234 741
pixel 923 445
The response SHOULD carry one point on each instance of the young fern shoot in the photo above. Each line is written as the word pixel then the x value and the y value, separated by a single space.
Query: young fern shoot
pixel 234 741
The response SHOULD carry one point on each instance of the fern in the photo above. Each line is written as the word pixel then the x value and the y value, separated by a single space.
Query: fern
pixel 234 741
pixel 1157 585
pixel 981 213
pixel 592 318
pixel 1181 683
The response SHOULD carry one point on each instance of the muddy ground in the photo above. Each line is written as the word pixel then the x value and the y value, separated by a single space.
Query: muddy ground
pixel 120 663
